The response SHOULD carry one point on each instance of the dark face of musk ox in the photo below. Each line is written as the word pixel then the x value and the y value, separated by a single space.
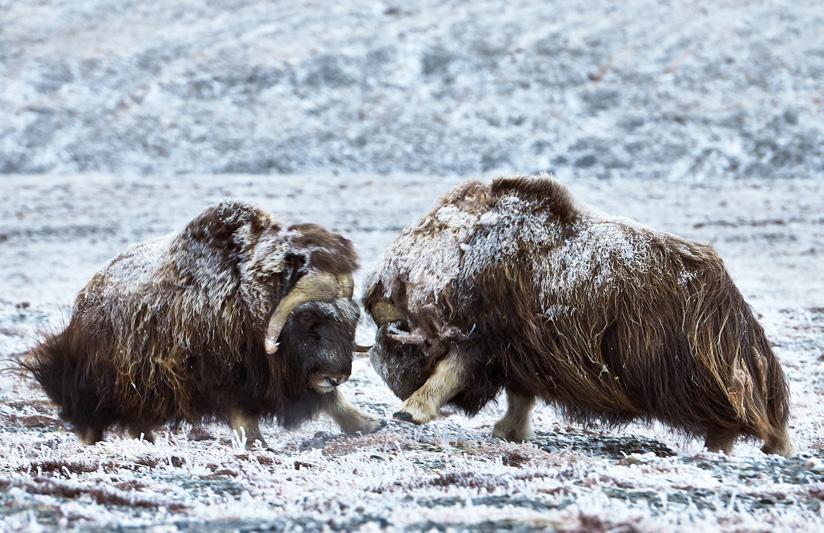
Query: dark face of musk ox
pixel 404 366
pixel 318 338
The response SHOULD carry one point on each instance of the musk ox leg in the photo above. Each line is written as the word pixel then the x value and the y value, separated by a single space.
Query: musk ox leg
pixel 144 433
pixel 350 419
pixel 90 435
pixel 445 382
pixel 778 443
pixel 516 425
pixel 720 440
pixel 245 426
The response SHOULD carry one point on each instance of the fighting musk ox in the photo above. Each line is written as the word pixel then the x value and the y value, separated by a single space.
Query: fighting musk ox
pixel 234 318
pixel 515 286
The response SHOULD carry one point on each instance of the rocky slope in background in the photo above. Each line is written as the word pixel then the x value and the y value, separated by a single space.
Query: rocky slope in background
pixel 643 89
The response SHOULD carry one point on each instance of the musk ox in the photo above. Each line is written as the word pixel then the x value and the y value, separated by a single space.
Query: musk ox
pixel 234 318
pixel 515 286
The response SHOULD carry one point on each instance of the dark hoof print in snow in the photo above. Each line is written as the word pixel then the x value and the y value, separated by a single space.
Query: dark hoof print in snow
pixel 404 416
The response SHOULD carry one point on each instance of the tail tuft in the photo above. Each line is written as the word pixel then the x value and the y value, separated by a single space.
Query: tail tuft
pixel 62 368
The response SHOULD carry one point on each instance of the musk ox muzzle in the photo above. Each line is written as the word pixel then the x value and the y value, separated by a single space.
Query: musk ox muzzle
pixel 513 286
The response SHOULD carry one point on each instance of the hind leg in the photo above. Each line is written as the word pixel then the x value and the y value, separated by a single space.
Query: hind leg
pixel 720 440
pixel 516 425
pixel 90 435
pixel 245 426
pixel 778 443
pixel 144 433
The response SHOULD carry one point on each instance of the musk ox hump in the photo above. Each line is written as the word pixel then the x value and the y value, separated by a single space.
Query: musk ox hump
pixel 235 225
pixel 474 227
pixel 213 253
pixel 543 190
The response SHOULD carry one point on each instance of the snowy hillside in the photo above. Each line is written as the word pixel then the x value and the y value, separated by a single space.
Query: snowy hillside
pixel 56 231
pixel 640 89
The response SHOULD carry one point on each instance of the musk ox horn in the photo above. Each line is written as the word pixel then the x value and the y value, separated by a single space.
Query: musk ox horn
pixel 407 338
pixel 346 286
pixel 322 286
pixel 384 312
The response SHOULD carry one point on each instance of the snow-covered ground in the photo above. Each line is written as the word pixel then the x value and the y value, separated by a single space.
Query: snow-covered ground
pixel 638 88
pixel 56 231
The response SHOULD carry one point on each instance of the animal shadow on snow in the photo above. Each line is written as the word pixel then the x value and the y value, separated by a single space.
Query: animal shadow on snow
pixel 597 444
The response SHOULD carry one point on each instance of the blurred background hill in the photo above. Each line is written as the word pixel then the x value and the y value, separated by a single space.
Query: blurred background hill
pixel 667 90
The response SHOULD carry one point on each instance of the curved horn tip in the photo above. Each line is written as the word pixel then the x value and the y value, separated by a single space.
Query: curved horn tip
pixel 271 345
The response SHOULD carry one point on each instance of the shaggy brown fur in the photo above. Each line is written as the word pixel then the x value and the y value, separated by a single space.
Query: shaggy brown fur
pixel 606 319
pixel 173 329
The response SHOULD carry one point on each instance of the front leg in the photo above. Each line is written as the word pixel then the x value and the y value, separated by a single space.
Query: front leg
pixel 445 382
pixel 516 425
pixel 136 432
pixel 90 435
pixel 245 426
pixel 350 419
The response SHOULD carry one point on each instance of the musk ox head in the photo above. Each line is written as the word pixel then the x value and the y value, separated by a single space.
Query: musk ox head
pixel 408 345
pixel 320 259
pixel 318 339
pixel 416 295
pixel 235 259
pixel 403 367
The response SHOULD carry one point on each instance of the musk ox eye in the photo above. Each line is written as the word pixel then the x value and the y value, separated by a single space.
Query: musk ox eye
pixel 306 320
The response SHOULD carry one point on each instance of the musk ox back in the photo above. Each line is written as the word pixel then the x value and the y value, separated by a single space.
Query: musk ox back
pixel 186 328
pixel 514 286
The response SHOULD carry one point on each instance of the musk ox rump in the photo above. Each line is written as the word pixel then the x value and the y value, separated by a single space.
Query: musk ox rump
pixel 515 286
pixel 233 318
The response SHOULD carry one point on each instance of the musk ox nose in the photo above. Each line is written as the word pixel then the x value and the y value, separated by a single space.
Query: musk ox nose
pixel 338 379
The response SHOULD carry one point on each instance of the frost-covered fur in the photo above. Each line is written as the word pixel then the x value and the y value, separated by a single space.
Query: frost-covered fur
pixel 173 329
pixel 545 298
